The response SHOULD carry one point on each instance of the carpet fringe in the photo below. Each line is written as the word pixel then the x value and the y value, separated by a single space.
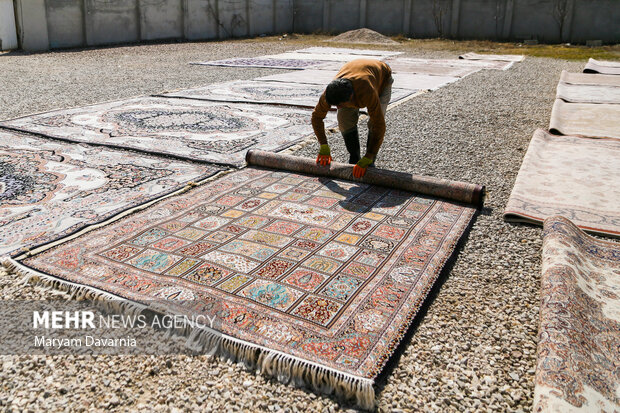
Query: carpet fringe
pixel 285 368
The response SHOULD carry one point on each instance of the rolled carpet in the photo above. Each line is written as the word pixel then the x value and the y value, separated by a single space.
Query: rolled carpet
pixel 442 188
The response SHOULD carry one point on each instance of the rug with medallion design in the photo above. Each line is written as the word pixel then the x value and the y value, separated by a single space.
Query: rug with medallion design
pixel 579 336
pixel 314 279
pixel 50 189
pixel 188 129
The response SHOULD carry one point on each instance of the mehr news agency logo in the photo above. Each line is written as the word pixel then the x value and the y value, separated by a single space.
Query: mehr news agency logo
pixel 87 320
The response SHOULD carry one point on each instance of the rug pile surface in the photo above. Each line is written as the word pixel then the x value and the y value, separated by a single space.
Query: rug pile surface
pixel 579 337
pixel 584 190
pixel 589 79
pixel 591 120
pixel 493 57
pixel 273 63
pixel 49 189
pixel 189 129
pixel 575 93
pixel 411 81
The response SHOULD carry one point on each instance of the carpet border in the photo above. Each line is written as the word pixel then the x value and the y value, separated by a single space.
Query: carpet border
pixel 409 329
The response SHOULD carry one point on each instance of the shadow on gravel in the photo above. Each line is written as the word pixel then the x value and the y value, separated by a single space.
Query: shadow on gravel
pixel 486 211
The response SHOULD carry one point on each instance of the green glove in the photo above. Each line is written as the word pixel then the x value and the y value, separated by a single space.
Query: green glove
pixel 364 162
pixel 324 150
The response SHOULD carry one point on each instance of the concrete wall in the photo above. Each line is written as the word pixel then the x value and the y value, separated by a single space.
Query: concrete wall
pixel 102 16
pixel 31 23
pixel 65 23
pixel 44 24
pixel 589 17
pixel 8 32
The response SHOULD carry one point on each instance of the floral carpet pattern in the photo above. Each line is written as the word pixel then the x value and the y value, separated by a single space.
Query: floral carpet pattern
pixel 329 271
pixel 49 189
pixel 275 93
pixel 583 189
pixel 189 129
pixel 579 337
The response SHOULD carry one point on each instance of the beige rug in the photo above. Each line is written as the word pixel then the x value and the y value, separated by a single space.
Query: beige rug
pixel 589 79
pixel 188 129
pixel 501 57
pixel 403 65
pixel 395 64
pixel 411 81
pixel 342 50
pixel 474 64
pixel 272 93
pixel 585 119
pixel 602 67
pixel 329 57
pixel 579 337
pixel 569 176
pixel 588 93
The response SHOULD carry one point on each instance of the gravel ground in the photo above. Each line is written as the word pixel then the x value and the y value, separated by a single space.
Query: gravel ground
pixel 474 347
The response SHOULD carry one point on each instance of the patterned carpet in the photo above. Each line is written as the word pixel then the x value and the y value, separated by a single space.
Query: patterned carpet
pixel 50 189
pixel 428 67
pixel 301 59
pixel 273 63
pixel 434 66
pixel 326 273
pixel 323 57
pixel 569 176
pixel 579 337
pixel 471 64
pixel 189 129
pixel 275 93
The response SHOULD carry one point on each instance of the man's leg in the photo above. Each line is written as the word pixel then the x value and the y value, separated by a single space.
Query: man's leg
pixel 384 99
pixel 347 123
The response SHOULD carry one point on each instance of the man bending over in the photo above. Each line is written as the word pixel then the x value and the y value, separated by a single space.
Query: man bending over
pixel 361 83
